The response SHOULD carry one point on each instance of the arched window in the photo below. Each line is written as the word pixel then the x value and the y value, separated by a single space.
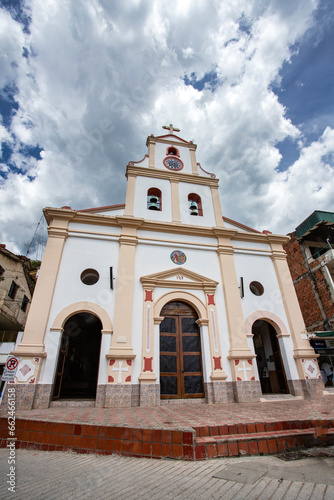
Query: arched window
pixel 154 199
pixel 195 204
pixel 171 150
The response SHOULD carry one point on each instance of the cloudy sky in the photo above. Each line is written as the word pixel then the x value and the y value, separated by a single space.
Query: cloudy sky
pixel 84 82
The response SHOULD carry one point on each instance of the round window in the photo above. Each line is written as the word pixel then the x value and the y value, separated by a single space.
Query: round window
pixel 89 276
pixel 256 288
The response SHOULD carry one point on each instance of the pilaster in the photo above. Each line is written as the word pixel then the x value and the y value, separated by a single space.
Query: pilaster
pixel 121 347
pixel 151 140
pixel 130 195
pixel 217 206
pixel 194 167
pixel 32 344
pixel 239 349
pixel 176 217
pixel 302 348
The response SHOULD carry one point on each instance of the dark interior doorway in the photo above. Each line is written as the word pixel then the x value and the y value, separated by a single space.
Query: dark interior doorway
pixel 268 358
pixel 181 374
pixel 78 360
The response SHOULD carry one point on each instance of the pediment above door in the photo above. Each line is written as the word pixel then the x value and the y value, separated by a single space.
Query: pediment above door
pixel 176 278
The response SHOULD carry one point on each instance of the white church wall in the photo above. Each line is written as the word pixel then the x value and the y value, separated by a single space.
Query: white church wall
pixel 143 184
pixel 94 228
pixel 111 213
pixel 259 268
pixel 174 239
pixel 229 225
pixel 52 343
pixel 80 254
pixel 251 245
pixel 103 363
pixel 251 346
pixel 208 217
pixel 286 348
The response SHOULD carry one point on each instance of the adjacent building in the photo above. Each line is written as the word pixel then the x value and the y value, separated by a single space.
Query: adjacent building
pixel 310 252
pixel 16 288
pixel 162 299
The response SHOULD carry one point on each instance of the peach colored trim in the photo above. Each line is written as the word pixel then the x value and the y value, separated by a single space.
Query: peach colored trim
pixel 302 347
pixel 171 135
pixel 231 221
pixel 108 207
pixel 196 281
pixel 151 154
pixel 79 307
pixel 213 176
pixel 274 320
pixel 175 201
pixel 130 195
pixel 133 162
pixel 125 288
pixel 194 164
pixel 37 320
pixel 217 206
pixel 239 348
pixel 191 299
pixel 169 175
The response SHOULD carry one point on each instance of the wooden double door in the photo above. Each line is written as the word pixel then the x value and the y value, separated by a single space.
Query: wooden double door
pixel 181 373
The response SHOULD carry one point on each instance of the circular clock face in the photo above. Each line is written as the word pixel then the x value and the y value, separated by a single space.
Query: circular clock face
pixel 173 163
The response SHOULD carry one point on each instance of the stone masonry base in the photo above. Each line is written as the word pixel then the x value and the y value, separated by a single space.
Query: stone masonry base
pixel 33 396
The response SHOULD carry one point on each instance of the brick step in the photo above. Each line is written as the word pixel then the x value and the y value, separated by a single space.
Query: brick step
pixel 260 427
pixel 261 443
pixel 255 435
pixel 183 443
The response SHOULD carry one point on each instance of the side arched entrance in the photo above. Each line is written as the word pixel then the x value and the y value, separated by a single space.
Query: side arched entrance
pixel 268 357
pixel 78 360
pixel 181 372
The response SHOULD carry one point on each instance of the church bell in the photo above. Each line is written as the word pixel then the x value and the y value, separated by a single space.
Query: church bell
pixel 193 208
pixel 153 203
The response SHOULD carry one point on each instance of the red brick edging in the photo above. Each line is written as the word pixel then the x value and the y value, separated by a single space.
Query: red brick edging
pixel 199 443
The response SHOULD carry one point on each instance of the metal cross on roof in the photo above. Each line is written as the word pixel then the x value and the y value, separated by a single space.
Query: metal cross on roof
pixel 171 128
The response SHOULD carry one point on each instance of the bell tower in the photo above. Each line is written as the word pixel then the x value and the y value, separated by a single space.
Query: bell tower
pixel 169 186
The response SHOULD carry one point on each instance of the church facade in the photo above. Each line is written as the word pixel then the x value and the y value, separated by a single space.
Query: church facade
pixel 162 299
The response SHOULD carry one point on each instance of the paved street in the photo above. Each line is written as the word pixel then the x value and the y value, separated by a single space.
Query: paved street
pixel 66 475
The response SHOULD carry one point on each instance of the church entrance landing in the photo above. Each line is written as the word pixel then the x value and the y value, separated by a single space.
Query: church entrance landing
pixel 78 361
pixel 178 431
pixel 181 374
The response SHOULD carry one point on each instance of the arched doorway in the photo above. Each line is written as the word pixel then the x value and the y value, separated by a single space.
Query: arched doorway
pixel 78 360
pixel 181 373
pixel 268 358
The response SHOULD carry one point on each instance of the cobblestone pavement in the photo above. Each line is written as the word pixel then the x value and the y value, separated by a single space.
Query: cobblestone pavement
pixel 60 475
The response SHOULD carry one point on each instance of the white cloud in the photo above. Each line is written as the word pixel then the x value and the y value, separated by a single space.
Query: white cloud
pixel 102 76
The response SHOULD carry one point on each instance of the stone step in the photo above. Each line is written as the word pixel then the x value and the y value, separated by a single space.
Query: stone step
pixel 268 398
pixel 79 403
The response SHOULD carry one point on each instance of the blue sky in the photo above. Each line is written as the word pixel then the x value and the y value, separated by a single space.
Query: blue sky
pixel 82 86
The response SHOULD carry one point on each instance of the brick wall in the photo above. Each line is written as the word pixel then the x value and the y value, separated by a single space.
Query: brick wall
pixel 311 287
